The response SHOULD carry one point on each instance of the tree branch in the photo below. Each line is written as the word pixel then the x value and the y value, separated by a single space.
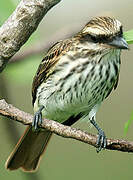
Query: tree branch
pixel 20 25
pixel 65 131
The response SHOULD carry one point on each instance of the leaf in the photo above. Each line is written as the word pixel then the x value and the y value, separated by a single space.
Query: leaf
pixel 128 123
pixel 128 35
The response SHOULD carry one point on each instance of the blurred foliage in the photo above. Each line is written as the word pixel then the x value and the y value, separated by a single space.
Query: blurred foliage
pixel 127 124
pixel 129 36
pixel 22 72
pixel 6 8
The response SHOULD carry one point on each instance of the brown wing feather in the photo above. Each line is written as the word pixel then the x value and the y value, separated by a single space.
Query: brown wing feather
pixel 46 66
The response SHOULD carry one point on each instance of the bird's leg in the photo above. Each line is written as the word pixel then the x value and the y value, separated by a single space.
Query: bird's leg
pixel 101 140
pixel 37 118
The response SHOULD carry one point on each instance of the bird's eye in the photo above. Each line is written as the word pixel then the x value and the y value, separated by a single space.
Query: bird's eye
pixel 94 39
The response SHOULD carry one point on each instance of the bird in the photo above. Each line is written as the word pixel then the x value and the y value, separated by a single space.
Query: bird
pixel 71 82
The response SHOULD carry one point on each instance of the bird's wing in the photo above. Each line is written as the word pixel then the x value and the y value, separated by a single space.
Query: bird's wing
pixel 115 86
pixel 48 63
pixel 116 82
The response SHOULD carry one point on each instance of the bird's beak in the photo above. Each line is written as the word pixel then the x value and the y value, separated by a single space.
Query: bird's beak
pixel 119 42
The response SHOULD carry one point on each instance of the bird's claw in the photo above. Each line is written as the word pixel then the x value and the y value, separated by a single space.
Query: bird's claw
pixel 37 120
pixel 101 141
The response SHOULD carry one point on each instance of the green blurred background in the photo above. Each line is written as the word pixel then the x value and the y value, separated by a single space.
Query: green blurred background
pixel 66 158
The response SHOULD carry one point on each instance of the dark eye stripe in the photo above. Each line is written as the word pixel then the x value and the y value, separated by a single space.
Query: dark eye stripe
pixel 99 39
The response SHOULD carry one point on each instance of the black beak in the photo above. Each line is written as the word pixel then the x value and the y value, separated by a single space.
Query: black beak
pixel 119 42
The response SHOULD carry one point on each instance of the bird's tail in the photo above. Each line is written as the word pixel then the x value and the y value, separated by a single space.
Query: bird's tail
pixel 28 150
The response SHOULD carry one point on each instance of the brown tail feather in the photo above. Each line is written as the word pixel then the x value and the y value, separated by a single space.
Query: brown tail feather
pixel 28 150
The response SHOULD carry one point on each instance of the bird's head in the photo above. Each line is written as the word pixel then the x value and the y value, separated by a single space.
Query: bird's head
pixel 104 30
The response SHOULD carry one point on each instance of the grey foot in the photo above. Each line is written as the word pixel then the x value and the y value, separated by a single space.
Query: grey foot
pixel 37 118
pixel 101 140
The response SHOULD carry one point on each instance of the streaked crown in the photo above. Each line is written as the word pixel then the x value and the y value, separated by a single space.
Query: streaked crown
pixel 100 26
